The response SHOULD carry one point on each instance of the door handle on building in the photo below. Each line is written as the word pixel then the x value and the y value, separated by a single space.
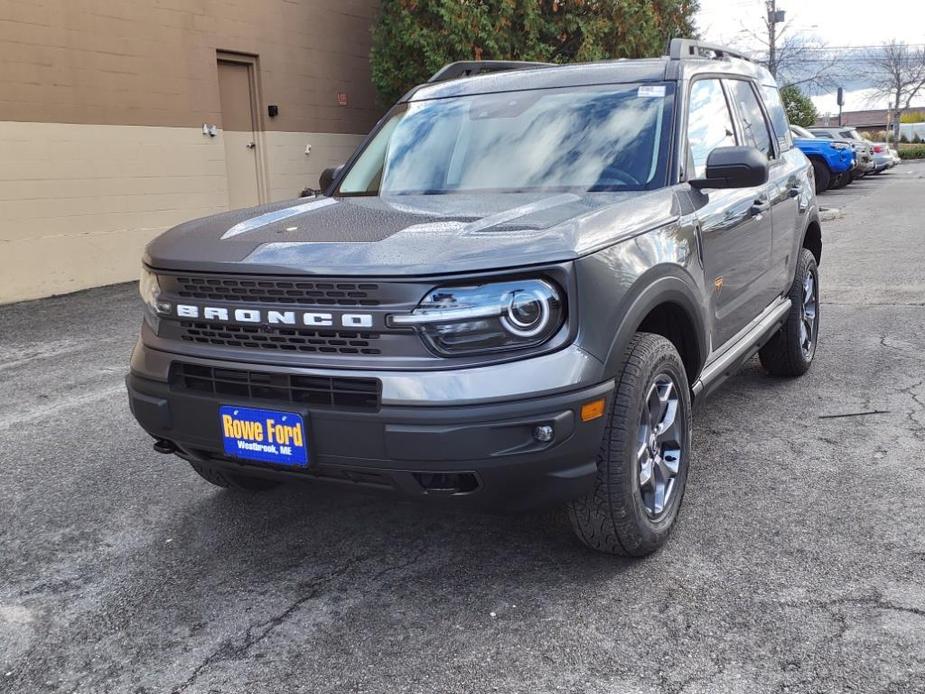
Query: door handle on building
pixel 251 145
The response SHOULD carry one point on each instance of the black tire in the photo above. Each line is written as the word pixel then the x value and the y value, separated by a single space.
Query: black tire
pixel 228 480
pixel 822 174
pixel 614 517
pixel 840 181
pixel 786 353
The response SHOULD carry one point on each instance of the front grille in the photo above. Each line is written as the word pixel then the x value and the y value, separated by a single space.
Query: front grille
pixel 279 338
pixel 275 291
pixel 316 391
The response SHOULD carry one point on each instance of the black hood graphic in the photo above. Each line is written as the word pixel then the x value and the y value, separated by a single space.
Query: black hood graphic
pixel 420 234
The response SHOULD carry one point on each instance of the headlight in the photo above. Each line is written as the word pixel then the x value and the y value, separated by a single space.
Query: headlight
pixel 495 317
pixel 150 292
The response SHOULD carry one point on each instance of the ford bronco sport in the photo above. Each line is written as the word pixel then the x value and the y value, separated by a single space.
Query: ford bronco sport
pixel 510 296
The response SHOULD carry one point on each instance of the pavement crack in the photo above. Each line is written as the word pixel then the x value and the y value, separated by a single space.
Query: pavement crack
pixel 256 633
pixel 877 603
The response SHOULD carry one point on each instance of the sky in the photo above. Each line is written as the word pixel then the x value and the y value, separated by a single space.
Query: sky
pixel 836 22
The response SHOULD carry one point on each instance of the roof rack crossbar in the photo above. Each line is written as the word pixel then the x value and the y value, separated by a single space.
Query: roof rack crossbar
pixel 471 68
pixel 686 49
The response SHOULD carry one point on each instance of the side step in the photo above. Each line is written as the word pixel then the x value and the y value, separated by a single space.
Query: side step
pixel 741 348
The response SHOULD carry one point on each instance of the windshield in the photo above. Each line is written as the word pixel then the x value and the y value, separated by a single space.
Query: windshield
pixel 590 139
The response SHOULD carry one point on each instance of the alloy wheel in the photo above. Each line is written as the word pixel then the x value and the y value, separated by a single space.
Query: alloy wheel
pixel 661 440
pixel 808 314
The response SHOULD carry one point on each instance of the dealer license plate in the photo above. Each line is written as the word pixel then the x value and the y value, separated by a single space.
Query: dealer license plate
pixel 267 436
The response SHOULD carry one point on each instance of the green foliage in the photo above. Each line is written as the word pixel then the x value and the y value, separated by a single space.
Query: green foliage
pixel 414 38
pixel 912 152
pixel 799 107
pixel 913 117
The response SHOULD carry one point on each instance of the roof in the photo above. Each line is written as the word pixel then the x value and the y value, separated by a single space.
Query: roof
pixel 585 74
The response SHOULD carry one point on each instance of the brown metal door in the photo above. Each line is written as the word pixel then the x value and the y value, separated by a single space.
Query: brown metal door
pixel 239 123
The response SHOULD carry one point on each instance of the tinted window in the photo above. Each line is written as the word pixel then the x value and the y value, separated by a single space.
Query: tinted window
pixel 753 122
pixel 589 139
pixel 826 135
pixel 709 124
pixel 778 115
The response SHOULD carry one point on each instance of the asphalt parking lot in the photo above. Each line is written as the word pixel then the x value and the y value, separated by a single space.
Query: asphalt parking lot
pixel 798 564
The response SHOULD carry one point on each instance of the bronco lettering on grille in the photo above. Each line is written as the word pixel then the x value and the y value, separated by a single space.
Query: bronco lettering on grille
pixel 259 316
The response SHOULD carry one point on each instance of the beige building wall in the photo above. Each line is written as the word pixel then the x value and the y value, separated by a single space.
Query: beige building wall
pixel 102 104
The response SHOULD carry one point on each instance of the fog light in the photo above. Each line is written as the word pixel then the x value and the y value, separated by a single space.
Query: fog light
pixel 544 433
pixel 592 410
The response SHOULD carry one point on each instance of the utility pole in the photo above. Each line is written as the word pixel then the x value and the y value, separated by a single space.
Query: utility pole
pixel 773 18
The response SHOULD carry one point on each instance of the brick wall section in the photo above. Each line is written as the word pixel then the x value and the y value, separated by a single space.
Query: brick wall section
pixel 153 62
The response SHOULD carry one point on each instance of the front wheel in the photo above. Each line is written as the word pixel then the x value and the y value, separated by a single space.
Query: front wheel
pixel 792 349
pixel 644 456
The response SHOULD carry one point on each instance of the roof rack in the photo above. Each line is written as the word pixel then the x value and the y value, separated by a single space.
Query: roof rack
pixel 685 49
pixel 471 68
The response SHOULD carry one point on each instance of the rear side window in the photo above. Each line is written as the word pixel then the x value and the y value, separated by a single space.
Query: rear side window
pixel 778 115
pixel 709 124
pixel 827 136
pixel 754 124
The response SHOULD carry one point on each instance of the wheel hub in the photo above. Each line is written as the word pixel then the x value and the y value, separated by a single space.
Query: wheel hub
pixel 661 442
pixel 808 313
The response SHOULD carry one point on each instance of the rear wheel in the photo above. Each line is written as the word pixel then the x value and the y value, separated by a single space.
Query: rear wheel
pixel 644 457
pixel 822 174
pixel 229 480
pixel 792 349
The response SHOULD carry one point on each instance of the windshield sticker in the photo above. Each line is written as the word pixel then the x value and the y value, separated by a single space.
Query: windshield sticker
pixel 656 91
pixel 276 216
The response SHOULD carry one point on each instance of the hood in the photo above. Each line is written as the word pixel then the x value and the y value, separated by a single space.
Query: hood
pixel 400 235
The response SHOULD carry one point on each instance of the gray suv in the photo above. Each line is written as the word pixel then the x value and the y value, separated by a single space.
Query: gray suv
pixel 511 296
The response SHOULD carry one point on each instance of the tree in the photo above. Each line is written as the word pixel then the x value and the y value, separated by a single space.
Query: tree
pixel 793 58
pixel 799 107
pixel 897 73
pixel 414 38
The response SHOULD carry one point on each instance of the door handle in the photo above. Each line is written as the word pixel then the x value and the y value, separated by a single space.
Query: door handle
pixel 251 145
pixel 759 206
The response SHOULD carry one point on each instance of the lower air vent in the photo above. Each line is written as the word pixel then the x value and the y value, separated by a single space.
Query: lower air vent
pixel 313 391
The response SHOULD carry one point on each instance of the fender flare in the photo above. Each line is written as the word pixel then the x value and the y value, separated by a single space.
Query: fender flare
pixel 673 287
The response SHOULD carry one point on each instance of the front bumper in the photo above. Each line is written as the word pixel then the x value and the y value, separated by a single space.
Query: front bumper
pixel 483 453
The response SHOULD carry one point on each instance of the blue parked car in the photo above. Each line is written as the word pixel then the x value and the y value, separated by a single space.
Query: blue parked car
pixel 832 161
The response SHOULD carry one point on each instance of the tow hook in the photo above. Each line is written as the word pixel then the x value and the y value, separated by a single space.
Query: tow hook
pixel 164 446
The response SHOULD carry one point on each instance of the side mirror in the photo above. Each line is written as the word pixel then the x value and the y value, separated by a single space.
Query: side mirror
pixel 734 167
pixel 328 176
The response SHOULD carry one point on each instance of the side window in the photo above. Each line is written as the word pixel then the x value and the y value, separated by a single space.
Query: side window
pixel 709 124
pixel 778 116
pixel 827 136
pixel 753 122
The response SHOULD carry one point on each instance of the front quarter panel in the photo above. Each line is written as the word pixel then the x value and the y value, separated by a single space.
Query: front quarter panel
pixel 619 285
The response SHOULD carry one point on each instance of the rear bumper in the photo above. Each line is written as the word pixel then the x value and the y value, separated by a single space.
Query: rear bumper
pixel 482 454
